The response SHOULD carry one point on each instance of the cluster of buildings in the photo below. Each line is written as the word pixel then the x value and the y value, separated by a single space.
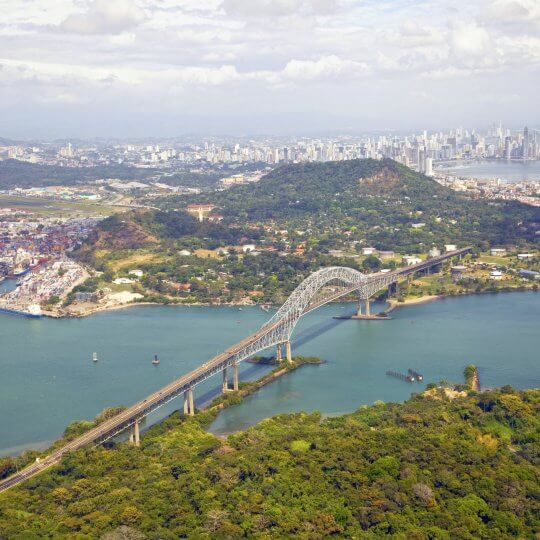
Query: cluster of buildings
pixel 50 281
pixel 418 151
pixel 492 188
pixel 27 242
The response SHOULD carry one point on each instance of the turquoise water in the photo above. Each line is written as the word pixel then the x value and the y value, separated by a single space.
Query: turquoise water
pixel 48 378
pixel 7 285
pixel 509 171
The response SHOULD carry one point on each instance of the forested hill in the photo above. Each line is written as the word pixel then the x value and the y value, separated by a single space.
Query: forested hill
pixel 426 469
pixel 382 198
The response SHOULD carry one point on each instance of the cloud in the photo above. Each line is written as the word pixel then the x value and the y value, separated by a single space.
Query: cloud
pixel 468 41
pixel 514 11
pixel 327 67
pixel 105 17
pixel 278 8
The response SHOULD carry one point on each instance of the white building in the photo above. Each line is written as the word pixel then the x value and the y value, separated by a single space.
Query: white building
pixel 409 260
pixel 368 251
pixel 450 247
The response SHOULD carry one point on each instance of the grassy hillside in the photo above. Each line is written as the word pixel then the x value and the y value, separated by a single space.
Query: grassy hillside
pixel 426 469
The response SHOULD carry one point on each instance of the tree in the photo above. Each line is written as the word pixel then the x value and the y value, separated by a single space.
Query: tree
pixel 371 263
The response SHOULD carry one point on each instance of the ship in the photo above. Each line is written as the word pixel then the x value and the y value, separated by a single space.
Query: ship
pixel 94 357
pixel 155 361
pixel 33 311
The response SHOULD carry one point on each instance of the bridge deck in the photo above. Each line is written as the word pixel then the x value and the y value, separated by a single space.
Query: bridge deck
pixel 126 418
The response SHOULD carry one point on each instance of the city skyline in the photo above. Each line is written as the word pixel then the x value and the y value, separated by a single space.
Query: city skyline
pixel 152 68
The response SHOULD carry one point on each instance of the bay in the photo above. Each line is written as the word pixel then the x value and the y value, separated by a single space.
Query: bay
pixel 508 171
pixel 48 379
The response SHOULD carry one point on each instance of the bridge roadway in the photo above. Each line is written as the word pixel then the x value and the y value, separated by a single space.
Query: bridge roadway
pixel 129 416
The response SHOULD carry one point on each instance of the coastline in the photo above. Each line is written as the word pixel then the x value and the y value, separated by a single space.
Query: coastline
pixel 393 304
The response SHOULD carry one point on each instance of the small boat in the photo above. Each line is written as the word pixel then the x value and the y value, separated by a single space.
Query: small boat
pixel 94 357
pixel 240 309
pixel 155 361
pixel 266 308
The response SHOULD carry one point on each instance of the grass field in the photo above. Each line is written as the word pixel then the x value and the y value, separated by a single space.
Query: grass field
pixel 136 259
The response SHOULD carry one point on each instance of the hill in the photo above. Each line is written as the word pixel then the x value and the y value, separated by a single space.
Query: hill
pixel 428 468
pixel 384 200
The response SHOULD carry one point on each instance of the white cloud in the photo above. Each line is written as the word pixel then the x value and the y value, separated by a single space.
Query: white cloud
pixel 469 40
pixel 105 17
pixel 514 11
pixel 278 8
pixel 282 55
pixel 327 67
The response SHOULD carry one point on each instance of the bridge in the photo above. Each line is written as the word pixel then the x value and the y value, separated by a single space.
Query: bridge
pixel 323 286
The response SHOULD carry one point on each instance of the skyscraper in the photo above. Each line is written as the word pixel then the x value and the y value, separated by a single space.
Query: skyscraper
pixel 526 143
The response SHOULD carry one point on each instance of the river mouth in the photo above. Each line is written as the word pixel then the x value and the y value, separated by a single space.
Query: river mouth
pixel 49 380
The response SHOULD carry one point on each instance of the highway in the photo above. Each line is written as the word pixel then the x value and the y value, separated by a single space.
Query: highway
pixel 127 417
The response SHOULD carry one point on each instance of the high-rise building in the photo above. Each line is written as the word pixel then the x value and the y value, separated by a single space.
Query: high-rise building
pixel 429 167
pixel 526 143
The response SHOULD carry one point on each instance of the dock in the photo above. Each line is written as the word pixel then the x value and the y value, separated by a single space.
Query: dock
pixel 401 376
pixel 418 376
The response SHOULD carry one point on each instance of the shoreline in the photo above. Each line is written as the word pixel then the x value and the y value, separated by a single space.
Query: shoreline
pixel 393 304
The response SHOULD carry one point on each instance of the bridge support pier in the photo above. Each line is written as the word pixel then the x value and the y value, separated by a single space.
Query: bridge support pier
pixel 288 351
pixel 225 383
pixel 134 436
pixel 359 308
pixel 235 377
pixel 189 409
pixel 368 310
pixel 279 353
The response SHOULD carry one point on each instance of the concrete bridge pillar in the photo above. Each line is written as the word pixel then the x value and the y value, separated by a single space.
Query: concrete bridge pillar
pixel 359 308
pixel 288 351
pixel 188 402
pixel 279 353
pixel 191 404
pixel 235 377
pixel 136 434
pixel 368 311
pixel 225 384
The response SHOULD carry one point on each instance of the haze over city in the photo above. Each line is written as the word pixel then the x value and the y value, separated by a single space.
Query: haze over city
pixel 165 68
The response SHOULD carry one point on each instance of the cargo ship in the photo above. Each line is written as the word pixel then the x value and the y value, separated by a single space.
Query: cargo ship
pixel 33 311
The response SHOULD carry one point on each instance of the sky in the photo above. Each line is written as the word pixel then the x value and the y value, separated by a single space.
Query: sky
pixel 136 68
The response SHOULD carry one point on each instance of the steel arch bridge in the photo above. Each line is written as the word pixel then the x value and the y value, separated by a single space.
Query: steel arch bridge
pixel 323 286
